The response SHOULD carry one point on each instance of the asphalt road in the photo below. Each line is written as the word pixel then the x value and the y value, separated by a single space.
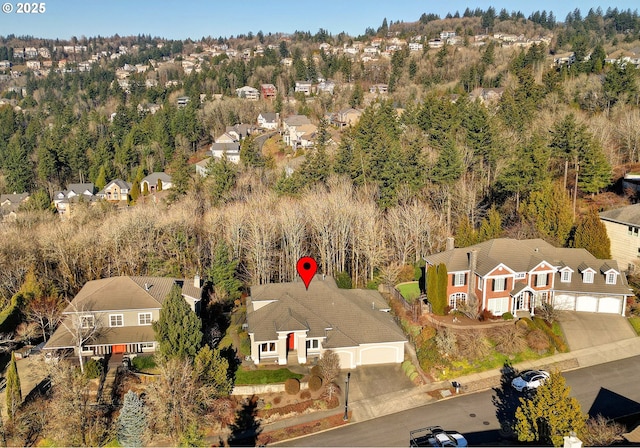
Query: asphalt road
pixel 610 389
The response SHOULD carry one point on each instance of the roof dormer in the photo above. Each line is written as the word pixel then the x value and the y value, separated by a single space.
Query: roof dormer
pixel 610 274
pixel 587 272
pixel 565 274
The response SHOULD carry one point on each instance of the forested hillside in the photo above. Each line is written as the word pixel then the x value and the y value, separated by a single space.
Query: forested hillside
pixel 429 159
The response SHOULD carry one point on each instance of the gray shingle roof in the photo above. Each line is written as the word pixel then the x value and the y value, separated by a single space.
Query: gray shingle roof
pixel 346 317
pixel 629 215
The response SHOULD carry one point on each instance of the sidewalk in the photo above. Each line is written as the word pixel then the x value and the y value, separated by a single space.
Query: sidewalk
pixel 385 404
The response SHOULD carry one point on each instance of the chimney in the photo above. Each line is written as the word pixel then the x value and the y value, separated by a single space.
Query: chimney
pixel 473 263
pixel 450 245
pixel 146 286
pixel 196 281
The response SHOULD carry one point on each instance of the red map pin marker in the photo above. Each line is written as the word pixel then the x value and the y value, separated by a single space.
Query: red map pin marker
pixel 307 268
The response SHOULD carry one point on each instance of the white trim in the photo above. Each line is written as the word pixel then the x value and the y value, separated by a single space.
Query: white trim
pixel 145 314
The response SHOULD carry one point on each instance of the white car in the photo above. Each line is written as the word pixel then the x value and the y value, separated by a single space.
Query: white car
pixel 530 379
pixel 436 436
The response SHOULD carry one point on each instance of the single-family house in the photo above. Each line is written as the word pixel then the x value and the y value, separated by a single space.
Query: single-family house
pixel 379 88
pixel 516 276
pixel 157 181
pixel 119 311
pixel 298 131
pixel 346 117
pixel 202 167
pixel 304 87
pixel 623 230
pixel 183 101
pixel 10 204
pixel 290 324
pixel 268 91
pixel 115 191
pixel 248 92
pixel 64 200
pixel 326 86
pixel 229 150
pixel 268 120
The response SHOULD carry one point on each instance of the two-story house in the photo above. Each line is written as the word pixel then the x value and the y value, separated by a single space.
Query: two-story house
pixel 248 92
pixel 268 120
pixel 298 131
pixel 121 311
pixel 65 199
pixel 623 229
pixel 116 191
pixel 268 91
pixel 10 204
pixel 508 275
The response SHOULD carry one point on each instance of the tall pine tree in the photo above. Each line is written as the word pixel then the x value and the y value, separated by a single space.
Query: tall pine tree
pixel 591 234
pixel 178 330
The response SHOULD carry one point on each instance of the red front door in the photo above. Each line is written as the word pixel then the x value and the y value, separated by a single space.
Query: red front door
pixel 290 341
pixel 118 348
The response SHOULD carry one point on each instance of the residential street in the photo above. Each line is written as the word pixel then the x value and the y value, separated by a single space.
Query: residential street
pixel 606 388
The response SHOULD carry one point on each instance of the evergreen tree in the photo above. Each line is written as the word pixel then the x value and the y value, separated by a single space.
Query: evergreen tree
pixel 549 210
pixel 550 414
pixel 442 281
pixel 212 371
pixel 178 330
pixel 595 171
pixel 18 169
pixel 134 194
pixel 14 393
pixel 250 154
pixel 490 226
pixel 132 421
pixel 432 289
pixel 222 175
pixel 180 175
pixel 223 274
pixel 591 234
pixel 466 234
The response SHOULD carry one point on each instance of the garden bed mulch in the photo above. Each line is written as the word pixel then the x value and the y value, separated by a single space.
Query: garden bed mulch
pixel 302 429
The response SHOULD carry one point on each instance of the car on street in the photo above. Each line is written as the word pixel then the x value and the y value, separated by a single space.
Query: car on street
pixel 529 380
pixel 436 436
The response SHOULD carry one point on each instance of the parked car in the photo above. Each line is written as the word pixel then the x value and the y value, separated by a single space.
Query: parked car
pixel 530 379
pixel 436 436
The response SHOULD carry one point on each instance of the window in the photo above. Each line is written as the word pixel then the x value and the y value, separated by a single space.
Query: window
pixel 635 231
pixel 611 278
pixel 587 277
pixel 268 347
pixel 147 345
pixel 565 276
pixel 313 344
pixel 630 230
pixel 459 279
pixel 541 280
pixel 87 321
pixel 457 299
pixel 521 275
pixel 479 282
pixel 144 318
pixel 499 284
pixel 116 320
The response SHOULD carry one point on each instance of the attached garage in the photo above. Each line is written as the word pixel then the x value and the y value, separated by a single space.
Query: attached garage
pixel 587 303
pixel 611 305
pixel 347 358
pixel 381 354
pixel 564 302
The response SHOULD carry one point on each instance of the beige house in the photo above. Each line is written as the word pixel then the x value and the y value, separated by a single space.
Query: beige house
pixel 623 229
pixel 115 191
pixel 120 311
pixel 288 323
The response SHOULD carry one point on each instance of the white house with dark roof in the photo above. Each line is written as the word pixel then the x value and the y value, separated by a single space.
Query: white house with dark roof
pixel 64 199
pixel 268 120
pixel 157 181
pixel 288 323
pixel 121 310
pixel 508 275
pixel 623 229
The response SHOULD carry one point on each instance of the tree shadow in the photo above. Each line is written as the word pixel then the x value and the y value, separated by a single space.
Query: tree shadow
pixel 246 429
pixel 506 400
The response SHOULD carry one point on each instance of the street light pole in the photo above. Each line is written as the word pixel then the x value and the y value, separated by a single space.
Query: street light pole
pixel 346 397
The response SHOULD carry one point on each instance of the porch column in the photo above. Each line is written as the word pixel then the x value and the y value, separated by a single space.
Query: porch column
pixel 255 352
pixel 302 347
pixel 282 349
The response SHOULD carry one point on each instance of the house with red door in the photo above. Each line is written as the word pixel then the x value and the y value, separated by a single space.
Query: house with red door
pixel 118 313
pixel 291 324
pixel 516 276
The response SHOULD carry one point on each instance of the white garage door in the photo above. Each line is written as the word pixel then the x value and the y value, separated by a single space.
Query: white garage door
pixel 564 302
pixel 381 354
pixel 610 305
pixel 346 359
pixel 587 303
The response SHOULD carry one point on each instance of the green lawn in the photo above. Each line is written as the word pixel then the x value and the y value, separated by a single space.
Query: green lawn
pixel 263 376
pixel 635 323
pixel 410 291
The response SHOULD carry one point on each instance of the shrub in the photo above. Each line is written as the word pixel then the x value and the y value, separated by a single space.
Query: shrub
pixel 473 345
pixel 486 315
pixel 509 339
pixel 427 332
pixel 93 369
pixel 507 316
pixel 292 386
pixel 413 376
pixel 537 340
pixel 277 400
pixel 315 370
pixel 343 280
pixel 600 432
pixel 446 341
pixel 141 363
pixel 315 383
pixel 305 395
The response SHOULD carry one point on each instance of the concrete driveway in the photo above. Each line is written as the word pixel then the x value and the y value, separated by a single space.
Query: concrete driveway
pixel 371 381
pixel 584 330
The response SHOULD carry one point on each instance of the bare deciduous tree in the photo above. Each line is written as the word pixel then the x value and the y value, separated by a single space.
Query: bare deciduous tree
pixel 83 325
